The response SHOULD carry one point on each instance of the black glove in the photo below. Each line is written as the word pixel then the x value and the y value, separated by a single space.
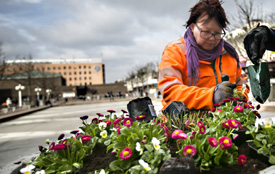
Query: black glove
pixel 257 41
pixel 223 91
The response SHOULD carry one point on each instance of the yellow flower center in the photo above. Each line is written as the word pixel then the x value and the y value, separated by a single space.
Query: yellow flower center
pixel 140 116
pixel 128 121
pixel 191 124
pixel 146 168
pixel 189 151
pixel 267 125
pixel 104 135
pixel 233 122
pixel 213 142
pixel 242 160
pixel 125 153
pixel 226 141
pixel 156 146
pixel 27 173
pixel 177 132
pixel 202 129
pixel 226 124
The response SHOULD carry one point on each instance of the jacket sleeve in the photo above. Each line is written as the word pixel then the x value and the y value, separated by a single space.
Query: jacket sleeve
pixel 171 82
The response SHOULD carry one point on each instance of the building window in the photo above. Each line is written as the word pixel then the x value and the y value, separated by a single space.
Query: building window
pixel 79 78
pixel 89 67
pixel 75 78
pixel 84 72
pixel 74 67
pixel 69 67
pixel 64 67
pixel 70 79
pixel 65 73
pixel 36 69
pixel 53 68
pixel 79 72
pixel 59 68
pixel 79 66
pixel 49 68
pixel 90 72
pixel 84 67
pixel 74 73
pixel 90 83
pixel 14 69
pixel 85 78
pixel 90 78
pixel 70 73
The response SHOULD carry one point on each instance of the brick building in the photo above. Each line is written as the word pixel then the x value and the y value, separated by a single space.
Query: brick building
pixel 77 72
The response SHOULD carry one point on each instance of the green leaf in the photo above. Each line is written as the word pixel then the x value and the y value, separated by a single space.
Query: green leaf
pixel 271 159
pixel 115 165
pixel 77 165
pixel 149 147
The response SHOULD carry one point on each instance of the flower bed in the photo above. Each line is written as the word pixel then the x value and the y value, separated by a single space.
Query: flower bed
pixel 115 144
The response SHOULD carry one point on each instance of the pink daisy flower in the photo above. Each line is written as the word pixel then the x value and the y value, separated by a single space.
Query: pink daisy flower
pixel 126 153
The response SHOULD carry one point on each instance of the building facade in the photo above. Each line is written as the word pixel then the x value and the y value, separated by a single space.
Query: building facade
pixel 77 72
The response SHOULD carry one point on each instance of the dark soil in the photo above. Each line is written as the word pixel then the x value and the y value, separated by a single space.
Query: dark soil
pixel 100 160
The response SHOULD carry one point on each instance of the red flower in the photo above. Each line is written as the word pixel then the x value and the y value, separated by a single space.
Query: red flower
pixel 126 153
pixel 118 130
pixel 59 147
pixel 52 146
pixel 111 111
pixel 202 129
pixel 189 150
pixel 124 111
pixel 61 136
pixel 257 114
pixel 86 138
pixel 212 141
pixel 200 123
pixel 99 114
pixel 116 123
pixel 232 123
pixel 74 131
pixel 108 122
pixel 242 159
pixel 238 109
pixel 225 143
pixel 141 117
pixel 175 134
pixel 128 122
pixel 225 125
pixel 95 120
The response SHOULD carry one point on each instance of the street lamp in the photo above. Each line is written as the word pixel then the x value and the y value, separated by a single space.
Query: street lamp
pixel 37 90
pixel 19 88
pixel 48 91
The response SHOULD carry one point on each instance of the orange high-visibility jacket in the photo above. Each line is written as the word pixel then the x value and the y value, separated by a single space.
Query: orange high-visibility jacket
pixel 173 77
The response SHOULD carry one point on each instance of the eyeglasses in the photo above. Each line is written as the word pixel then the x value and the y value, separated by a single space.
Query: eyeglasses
pixel 208 35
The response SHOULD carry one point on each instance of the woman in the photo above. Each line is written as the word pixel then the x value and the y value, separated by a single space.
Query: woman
pixel 192 67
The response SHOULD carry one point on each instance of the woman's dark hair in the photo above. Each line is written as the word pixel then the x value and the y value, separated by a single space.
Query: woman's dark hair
pixel 212 8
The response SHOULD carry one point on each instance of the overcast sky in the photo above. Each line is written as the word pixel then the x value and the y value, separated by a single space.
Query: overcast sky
pixel 124 33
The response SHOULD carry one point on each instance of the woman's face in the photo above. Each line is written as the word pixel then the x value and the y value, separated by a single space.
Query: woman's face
pixel 212 26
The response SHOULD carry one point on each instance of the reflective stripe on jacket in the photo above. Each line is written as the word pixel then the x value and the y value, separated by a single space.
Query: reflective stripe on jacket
pixel 173 77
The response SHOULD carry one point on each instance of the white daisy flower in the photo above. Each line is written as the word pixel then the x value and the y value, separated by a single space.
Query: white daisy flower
pixel 103 134
pixel 156 143
pixel 144 164
pixel 102 125
pixel 27 169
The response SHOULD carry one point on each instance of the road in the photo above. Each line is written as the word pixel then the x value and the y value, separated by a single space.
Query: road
pixel 22 136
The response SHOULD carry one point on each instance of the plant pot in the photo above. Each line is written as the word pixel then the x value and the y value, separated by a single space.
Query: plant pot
pixel 242 137
pixel 178 165
pixel 253 152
